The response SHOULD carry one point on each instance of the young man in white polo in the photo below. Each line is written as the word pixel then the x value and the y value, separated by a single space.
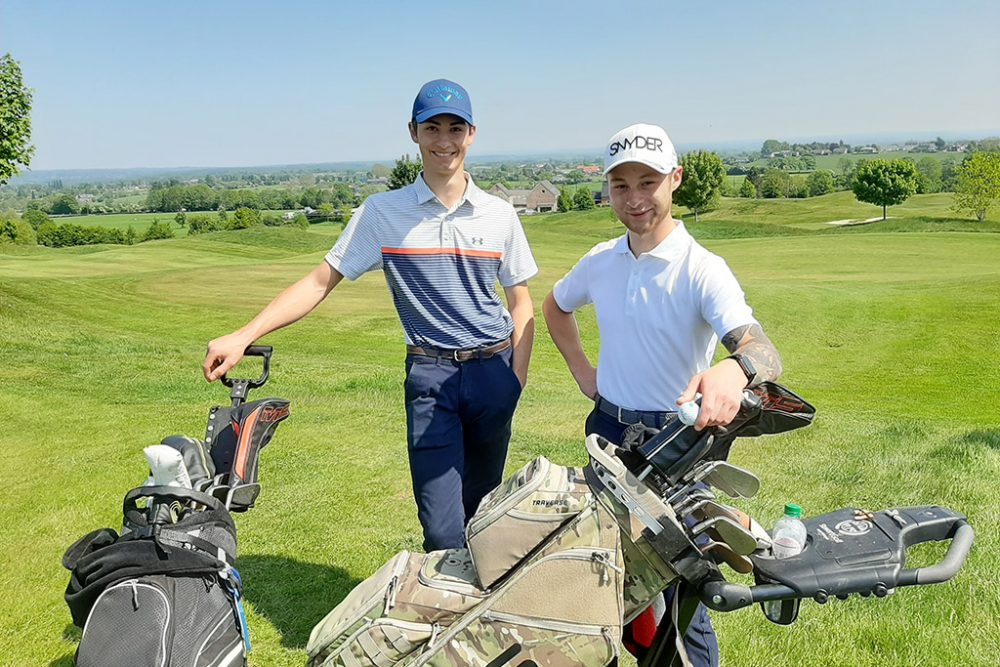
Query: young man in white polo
pixel 663 303
pixel 442 244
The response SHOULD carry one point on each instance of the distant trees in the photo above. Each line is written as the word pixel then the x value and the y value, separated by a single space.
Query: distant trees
pixel 405 172
pixel 583 199
pixel 820 183
pixel 157 230
pixel 775 183
pixel 565 202
pixel 747 189
pixel 701 183
pixel 929 173
pixel 15 230
pixel 15 120
pixel 245 218
pixel 885 182
pixel 65 204
pixel 977 187
pixel 380 171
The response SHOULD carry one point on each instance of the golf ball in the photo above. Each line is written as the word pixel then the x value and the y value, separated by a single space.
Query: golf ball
pixel 688 412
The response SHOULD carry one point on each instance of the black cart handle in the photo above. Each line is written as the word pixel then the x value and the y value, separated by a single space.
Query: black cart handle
pixel 254 351
pixel 954 558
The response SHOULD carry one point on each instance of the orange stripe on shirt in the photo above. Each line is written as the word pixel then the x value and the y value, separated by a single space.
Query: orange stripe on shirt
pixel 442 251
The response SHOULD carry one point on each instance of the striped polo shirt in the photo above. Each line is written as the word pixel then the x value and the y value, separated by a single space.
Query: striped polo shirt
pixel 441 265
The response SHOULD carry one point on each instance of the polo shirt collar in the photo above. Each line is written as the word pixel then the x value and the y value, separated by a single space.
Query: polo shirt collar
pixel 668 250
pixel 473 194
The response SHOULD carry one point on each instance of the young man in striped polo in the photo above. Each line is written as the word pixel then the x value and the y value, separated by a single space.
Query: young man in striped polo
pixel 442 244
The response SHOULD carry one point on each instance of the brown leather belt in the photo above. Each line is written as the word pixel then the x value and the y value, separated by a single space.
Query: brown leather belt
pixel 459 355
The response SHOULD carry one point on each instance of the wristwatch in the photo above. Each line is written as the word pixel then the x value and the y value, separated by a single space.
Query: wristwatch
pixel 746 366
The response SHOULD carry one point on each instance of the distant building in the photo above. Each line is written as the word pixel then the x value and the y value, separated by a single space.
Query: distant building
pixel 540 199
pixel 589 169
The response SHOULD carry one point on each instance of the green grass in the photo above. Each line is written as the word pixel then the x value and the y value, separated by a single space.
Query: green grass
pixel 890 331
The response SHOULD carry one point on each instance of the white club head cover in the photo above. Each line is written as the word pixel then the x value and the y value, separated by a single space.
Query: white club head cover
pixel 167 466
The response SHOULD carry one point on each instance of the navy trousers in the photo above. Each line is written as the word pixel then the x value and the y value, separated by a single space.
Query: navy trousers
pixel 700 641
pixel 458 417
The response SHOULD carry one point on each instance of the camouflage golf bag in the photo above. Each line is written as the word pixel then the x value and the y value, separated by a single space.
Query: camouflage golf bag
pixel 558 559
pixel 166 591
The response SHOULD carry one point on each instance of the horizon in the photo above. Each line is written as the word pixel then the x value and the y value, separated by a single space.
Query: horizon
pixel 247 87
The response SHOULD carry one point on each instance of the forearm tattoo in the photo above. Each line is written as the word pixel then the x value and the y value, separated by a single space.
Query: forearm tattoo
pixel 751 341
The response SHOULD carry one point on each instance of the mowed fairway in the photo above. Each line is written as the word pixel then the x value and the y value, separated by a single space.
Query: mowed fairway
pixel 893 336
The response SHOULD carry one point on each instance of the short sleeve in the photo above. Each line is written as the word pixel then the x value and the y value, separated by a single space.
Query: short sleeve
pixel 723 304
pixel 359 248
pixel 517 264
pixel 573 290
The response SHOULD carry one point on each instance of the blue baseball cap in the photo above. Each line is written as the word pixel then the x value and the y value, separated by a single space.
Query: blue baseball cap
pixel 442 96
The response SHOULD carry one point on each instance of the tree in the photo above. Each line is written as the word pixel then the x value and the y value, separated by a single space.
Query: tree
pixel 245 218
pixel 15 230
pixel 702 181
pixel 181 219
pixel 130 236
pixel 748 190
pixel 565 201
pixel 65 204
pixel 929 176
pixel 381 171
pixel 885 182
pixel 977 188
pixel 34 217
pixel 15 120
pixel 772 146
pixel 940 143
pixel 819 183
pixel 405 172
pixel 775 183
pixel 583 199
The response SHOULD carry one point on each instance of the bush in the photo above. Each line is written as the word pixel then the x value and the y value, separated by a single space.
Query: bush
pixel 15 230
pixel 35 217
pixel 158 230
pixel 298 220
pixel 200 224
pixel 272 220
pixel 63 236
pixel 245 218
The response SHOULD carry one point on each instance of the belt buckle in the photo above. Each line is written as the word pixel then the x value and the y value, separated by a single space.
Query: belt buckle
pixel 621 420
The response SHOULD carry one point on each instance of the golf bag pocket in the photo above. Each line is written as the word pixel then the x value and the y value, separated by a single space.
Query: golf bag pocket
pixel 402 602
pixel 563 610
pixel 520 513
pixel 164 621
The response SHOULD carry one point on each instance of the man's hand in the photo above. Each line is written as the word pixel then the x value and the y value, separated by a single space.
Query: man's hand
pixel 721 388
pixel 224 353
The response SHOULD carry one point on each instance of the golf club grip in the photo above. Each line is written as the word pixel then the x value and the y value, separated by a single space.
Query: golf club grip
pixel 259 351
pixel 954 558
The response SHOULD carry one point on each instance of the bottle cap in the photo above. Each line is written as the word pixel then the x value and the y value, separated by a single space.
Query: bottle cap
pixel 791 509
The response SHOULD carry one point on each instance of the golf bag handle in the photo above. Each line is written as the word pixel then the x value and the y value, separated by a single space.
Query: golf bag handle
pixel 722 595
pixel 134 515
pixel 253 351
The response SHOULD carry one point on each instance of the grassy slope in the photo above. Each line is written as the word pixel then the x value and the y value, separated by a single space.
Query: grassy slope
pixel 892 336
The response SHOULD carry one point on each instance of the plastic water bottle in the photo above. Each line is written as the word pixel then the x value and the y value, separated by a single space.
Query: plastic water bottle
pixel 788 537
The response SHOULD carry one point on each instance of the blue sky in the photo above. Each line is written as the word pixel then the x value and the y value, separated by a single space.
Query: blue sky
pixel 182 83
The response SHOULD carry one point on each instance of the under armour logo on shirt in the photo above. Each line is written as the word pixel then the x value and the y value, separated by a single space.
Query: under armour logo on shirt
pixel 477 240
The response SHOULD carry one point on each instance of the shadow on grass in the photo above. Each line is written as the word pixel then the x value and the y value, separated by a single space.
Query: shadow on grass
pixel 990 439
pixel 70 633
pixel 293 595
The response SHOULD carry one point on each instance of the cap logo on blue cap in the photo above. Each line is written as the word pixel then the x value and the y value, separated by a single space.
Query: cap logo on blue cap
pixel 442 96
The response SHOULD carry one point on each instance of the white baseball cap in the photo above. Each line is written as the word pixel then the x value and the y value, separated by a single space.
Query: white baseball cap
pixel 647 144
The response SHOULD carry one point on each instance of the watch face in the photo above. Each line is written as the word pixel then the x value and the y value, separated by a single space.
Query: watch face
pixel 746 365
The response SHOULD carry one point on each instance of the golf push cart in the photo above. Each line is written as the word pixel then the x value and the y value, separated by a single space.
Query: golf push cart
pixel 166 590
pixel 558 558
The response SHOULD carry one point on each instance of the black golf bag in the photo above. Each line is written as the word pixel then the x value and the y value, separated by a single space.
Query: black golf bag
pixel 166 592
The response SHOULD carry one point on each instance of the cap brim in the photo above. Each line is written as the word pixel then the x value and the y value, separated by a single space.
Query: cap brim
pixel 427 114
pixel 648 163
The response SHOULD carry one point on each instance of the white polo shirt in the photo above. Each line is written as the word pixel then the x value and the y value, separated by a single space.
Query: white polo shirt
pixel 660 315
pixel 441 264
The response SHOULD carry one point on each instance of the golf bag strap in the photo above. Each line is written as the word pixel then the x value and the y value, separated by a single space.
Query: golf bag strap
pixel 675 618
pixel 136 516
pixel 183 540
